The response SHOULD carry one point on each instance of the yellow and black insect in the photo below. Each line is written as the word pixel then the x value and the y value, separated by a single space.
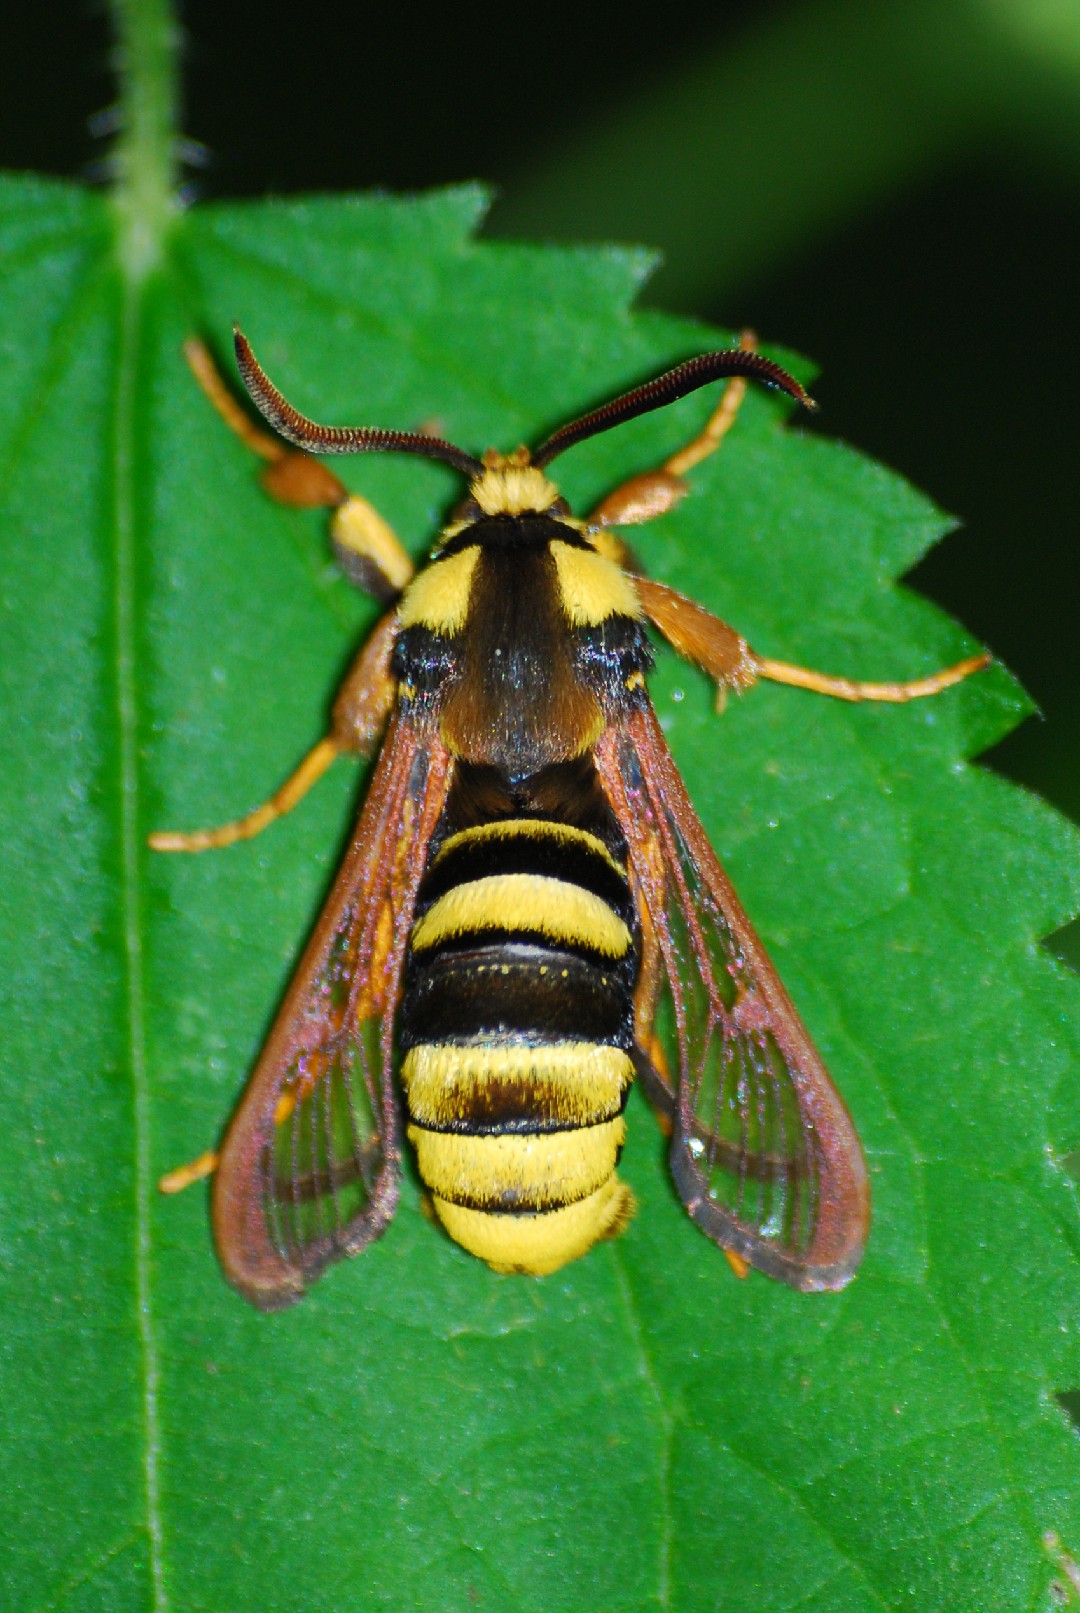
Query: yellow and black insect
pixel 530 912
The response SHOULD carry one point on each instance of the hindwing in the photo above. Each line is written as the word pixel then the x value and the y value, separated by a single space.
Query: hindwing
pixel 763 1152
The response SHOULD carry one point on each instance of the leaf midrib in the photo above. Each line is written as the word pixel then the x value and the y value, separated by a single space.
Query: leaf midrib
pixel 123 540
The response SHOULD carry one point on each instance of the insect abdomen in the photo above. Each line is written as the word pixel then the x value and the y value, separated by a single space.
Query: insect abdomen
pixel 517 1023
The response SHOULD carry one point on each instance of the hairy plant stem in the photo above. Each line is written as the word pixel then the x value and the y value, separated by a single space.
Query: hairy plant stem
pixel 147 39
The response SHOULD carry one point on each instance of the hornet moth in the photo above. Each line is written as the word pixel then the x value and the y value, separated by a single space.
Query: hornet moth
pixel 530 913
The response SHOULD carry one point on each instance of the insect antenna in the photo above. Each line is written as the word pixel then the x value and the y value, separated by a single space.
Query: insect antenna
pixel 666 388
pixel 316 439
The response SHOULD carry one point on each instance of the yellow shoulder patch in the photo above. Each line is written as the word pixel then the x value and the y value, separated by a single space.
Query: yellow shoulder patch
pixel 438 597
pixel 592 587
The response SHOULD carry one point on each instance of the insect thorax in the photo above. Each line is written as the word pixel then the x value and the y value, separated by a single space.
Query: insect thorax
pixel 523 639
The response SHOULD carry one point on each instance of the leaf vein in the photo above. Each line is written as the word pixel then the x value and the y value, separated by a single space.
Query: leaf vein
pixel 86 1574
pixel 124 455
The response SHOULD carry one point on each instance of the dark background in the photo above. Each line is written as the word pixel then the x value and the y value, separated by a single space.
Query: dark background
pixel 899 199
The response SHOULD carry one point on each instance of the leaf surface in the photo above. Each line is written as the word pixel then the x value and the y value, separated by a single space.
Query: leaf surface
pixel 641 1430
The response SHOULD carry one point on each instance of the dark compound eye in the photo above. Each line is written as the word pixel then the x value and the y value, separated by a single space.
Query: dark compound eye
pixel 466 509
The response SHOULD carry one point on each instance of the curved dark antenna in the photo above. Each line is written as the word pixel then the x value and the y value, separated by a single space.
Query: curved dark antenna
pixel 296 428
pixel 666 388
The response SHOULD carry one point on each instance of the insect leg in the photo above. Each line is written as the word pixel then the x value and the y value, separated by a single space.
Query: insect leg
pixel 698 635
pixel 197 1170
pixel 366 547
pixel 727 658
pixel 653 492
pixel 360 712
pixel 295 787
pixel 848 689
pixel 363 703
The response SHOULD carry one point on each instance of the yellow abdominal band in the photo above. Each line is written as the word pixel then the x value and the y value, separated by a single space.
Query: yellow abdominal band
pixel 538 1244
pixel 562 1083
pixel 533 902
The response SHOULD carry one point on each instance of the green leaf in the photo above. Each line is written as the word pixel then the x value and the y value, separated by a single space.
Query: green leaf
pixel 640 1430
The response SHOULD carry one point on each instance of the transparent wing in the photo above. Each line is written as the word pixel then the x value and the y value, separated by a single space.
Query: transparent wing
pixel 309 1167
pixel 763 1152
